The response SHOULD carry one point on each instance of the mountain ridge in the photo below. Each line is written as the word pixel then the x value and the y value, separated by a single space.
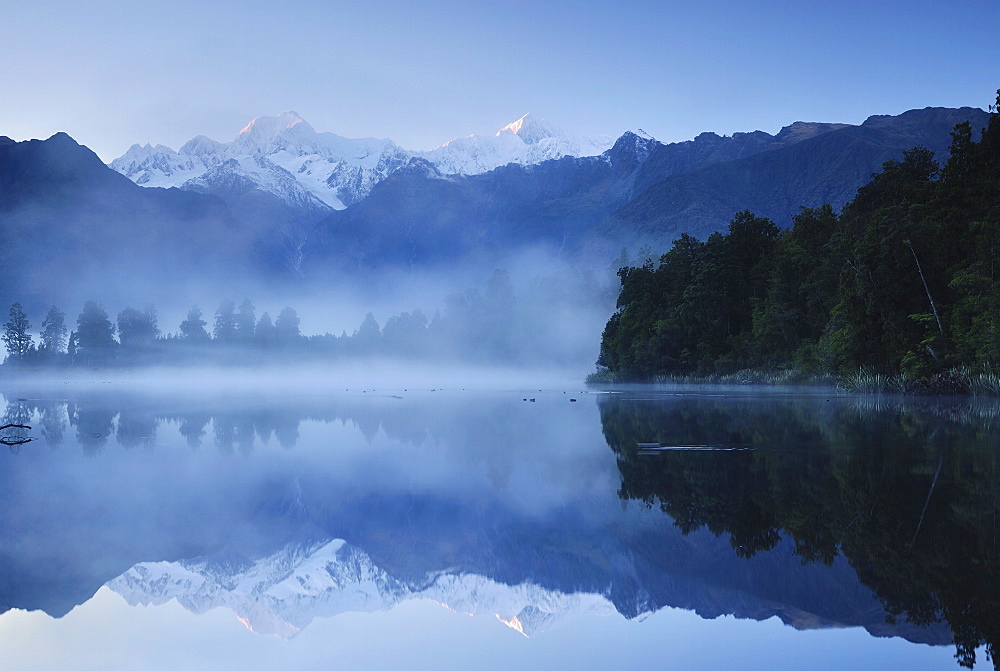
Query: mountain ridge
pixel 341 171
pixel 638 193
pixel 260 215
pixel 824 168
pixel 69 222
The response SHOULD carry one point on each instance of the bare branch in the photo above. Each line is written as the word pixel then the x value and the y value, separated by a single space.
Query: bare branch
pixel 927 290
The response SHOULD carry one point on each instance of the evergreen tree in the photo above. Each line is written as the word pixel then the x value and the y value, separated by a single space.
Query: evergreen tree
pixel 53 334
pixel 264 333
pixel 225 322
pixel 368 338
pixel 193 328
pixel 405 333
pixel 16 338
pixel 286 326
pixel 149 313
pixel 246 322
pixel 137 329
pixel 95 335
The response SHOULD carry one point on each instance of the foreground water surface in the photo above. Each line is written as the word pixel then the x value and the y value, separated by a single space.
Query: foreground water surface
pixel 522 528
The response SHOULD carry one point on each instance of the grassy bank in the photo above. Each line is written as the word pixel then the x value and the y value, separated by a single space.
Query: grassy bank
pixel 960 380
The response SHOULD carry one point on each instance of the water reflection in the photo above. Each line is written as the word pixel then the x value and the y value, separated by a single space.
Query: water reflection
pixel 907 491
pixel 284 592
pixel 289 507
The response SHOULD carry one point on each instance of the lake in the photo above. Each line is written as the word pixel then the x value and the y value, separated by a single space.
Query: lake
pixel 557 526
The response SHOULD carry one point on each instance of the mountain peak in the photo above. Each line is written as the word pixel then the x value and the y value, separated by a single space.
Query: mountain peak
pixel 200 145
pixel 636 139
pixel 264 134
pixel 530 129
pixel 291 116
pixel 631 149
pixel 273 124
pixel 62 138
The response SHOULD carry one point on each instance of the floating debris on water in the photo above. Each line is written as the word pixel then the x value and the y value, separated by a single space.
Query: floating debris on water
pixel 17 438
pixel 656 448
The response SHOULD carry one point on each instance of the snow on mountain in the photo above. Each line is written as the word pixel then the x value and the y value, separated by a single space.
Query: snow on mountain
pixel 530 129
pixel 338 171
pixel 527 141
pixel 283 593
pixel 204 148
pixel 158 166
pixel 637 144
pixel 255 171
pixel 335 170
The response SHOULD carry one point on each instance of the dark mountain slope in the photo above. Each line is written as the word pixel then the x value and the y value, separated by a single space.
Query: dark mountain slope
pixel 708 149
pixel 73 229
pixel 418 217
pixel 828 168
pixel 280 217
pixel 639 192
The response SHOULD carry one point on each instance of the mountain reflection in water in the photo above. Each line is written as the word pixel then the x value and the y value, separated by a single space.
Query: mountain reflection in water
pixel 822 511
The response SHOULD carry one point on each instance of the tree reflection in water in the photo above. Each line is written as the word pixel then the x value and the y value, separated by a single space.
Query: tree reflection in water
pixel 907 491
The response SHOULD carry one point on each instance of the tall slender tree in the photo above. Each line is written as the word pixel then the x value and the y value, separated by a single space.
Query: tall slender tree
pixel 225 322
pixel 53 334
pixel 368 338
pixel 15 334
pixel 246 321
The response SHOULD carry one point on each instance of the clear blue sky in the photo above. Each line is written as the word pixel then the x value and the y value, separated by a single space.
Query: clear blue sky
pixel 114 73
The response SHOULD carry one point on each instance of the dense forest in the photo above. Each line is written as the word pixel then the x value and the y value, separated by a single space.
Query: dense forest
pixel 901 284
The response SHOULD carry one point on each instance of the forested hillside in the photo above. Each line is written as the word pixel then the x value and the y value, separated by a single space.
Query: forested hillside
pixel 901 281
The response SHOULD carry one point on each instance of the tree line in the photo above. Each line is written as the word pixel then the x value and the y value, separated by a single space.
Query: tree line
pixel 491 326
pixel 135 335
pixel 903 281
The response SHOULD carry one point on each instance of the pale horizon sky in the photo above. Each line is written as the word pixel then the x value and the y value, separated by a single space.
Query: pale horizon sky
pixel 116 73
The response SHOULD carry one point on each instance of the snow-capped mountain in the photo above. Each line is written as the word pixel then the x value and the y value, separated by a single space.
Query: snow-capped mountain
pixel 276 151
pixel 527 141
pixel 281 594
pixel 253 171
pixel 335 170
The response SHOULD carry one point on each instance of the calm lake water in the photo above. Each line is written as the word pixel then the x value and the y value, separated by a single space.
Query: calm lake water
pixel 697 528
